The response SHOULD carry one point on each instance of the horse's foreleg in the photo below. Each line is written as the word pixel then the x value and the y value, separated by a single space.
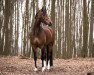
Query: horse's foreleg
pixel 48 59
pixel 35 59
pixel 43 58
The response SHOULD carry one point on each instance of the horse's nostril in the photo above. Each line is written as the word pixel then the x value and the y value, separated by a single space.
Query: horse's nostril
pixel 50 24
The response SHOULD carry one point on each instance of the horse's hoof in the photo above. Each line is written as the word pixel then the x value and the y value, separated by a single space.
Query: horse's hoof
pixel 48 67
pixel 35 69
pixel 43 69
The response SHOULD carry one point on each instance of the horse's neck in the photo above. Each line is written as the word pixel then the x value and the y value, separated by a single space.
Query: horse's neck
pixel 36 28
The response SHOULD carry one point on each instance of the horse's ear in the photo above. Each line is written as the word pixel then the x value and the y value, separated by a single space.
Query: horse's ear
pixel 44 10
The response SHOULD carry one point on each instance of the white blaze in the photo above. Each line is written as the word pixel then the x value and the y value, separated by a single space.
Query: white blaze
pixel 44 67
pixel 35 69
pixel 48 67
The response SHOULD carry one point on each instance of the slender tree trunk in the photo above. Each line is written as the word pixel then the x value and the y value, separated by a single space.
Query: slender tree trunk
pixel 1 26
pixel 6 25
pixel 85 30
pixel 53 12
pixel 32 24
pixel 64 41
pixel 27 26
pixel 14 51
pixel 53 20
pixel 17 27
pixel 67 29
pixel 91 52
pixel 44 2
pixel 74 49
pixel 59 31
pixel 69 40
pixel 11 26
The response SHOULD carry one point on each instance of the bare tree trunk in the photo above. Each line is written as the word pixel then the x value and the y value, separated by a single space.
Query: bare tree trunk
pixel 6 25
pixel 91 30
pixel 59 31
pixel 26 23
pixel 1 26
pixel 85 30
pixel 64 41
pixel 44 2
pixel 74 49
pixel 11 26
pixel 69 42
pixel 53 12
pixel 67 30
pixel 17 28
pixel 53 20
pixel 33 19
pixel 14 51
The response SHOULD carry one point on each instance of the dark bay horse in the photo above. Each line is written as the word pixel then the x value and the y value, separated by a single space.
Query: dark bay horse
pixel 42 37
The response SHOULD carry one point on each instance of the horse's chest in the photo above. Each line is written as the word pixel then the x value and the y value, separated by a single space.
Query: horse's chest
pixel 38 40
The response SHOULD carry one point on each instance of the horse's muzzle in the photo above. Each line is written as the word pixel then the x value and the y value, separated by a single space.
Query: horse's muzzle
pixel 50 24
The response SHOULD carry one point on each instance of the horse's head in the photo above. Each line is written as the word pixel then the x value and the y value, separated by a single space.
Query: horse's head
pixel 43 17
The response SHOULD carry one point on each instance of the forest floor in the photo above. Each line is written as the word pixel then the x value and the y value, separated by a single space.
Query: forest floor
pixel 13 65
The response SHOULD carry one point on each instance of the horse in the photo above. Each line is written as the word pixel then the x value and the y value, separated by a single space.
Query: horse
pixel 43 37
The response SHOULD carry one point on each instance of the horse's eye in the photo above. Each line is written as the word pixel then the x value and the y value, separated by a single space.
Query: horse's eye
pixel 46 19
pixel 44 13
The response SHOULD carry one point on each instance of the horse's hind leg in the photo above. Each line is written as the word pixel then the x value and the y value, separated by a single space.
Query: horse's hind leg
pixel 43 58
pixel 49 57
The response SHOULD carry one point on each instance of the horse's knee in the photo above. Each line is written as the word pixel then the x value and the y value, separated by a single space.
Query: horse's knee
pixel 35 56
pixel 43 55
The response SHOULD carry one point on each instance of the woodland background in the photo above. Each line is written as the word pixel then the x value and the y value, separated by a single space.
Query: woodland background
pixel 73 21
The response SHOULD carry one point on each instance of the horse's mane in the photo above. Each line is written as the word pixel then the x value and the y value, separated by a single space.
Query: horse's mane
pixel 36 29
pixel 37 25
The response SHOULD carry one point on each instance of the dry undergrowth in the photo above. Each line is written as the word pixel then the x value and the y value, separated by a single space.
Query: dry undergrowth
pixel 18 66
